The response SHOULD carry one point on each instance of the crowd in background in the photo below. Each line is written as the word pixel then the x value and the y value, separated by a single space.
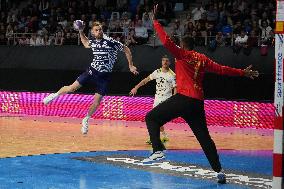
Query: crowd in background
pixel 242 24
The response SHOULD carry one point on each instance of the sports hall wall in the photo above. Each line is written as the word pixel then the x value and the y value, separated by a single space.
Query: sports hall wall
pixel 48 68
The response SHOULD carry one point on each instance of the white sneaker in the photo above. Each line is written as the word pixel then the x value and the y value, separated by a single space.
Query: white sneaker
pixel 85 125
pixel 221 178
pixel 49 98
pixel 154 157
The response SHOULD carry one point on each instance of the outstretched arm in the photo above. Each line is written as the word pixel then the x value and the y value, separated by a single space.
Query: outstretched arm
pixel 128 55
pixel 143 82
pixel 211 66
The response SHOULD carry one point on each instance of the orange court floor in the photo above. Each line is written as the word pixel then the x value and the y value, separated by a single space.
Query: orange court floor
pixel 32 135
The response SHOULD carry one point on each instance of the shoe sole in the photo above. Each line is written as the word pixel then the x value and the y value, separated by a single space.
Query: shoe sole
pixel 151 161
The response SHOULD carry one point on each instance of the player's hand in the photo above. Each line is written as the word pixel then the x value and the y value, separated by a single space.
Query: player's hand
pixel 133 92
pixel 133 69
pixel 81 29
pixel 250 73
pixel 79 25
pixel 154 12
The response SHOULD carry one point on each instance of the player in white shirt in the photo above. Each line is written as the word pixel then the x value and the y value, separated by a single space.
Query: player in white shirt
pixel 165 87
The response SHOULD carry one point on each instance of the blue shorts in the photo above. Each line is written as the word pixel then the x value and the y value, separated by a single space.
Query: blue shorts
pixel 99 79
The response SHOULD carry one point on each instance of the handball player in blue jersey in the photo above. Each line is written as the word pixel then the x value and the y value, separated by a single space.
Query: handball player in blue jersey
pixel 104 51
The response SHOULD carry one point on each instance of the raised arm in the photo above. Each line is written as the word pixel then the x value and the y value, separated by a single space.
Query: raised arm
pixel 84 39
pixel 143 82
pixel 128 55
pixel 164 38
pixel 79 25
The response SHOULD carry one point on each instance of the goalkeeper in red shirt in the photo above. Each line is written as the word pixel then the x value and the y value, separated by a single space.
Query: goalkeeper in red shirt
pixel 188 103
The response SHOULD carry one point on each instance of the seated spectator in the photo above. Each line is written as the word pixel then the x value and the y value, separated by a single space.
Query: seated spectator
pixel 3 17
pixel 237 28
pixel 251 42
pixel 104 26
pixel 23 40
pixel 10 34
pixel 147 23
pixel 255 28
pixel 33 40
pixel 3 39
pixel 265 30
pixel 130 39
pixel 212 15
pixel 148 11
pixel 22 24
pixel 240 42
pixel 174 37
pixel 121 4
pixel 2 28
pixel 187 20
pixel 201 32
pixel 188 28
pixel 116 31
pixel 236 13
pixel 125 23
pixel 75 37
pixel 210 30
pixel 114 21
pixel 115 16
pixel 39 40
pixel 247 26
pixel 141 34
pixel 59 39
pixel 198 38
pixel 69 40
pixel 179 30
pixel 63 22
pixel 47 40
pixel 263 19
pixel 100 3
pixel 93 19
pixel 227 33
pixel 197 12
pixel 136 19
pixel 220 40
pixel 253 39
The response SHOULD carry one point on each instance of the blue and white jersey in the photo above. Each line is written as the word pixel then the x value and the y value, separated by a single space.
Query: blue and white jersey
pixel 105 53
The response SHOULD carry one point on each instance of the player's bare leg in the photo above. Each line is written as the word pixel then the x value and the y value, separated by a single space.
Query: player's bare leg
pixel 66 89
pixel 92 109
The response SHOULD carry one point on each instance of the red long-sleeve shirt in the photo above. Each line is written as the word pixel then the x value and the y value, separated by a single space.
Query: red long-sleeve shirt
pixel 190 66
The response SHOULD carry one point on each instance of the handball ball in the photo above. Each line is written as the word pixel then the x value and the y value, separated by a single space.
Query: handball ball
pixel 78 25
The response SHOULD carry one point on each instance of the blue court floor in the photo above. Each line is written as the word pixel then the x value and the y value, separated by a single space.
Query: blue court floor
pixel 123 170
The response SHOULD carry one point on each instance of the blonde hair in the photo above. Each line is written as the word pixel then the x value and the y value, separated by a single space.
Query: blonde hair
pixel 96 24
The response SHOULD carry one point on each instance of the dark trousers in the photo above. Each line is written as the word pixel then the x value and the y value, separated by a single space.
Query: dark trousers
pixel 192 111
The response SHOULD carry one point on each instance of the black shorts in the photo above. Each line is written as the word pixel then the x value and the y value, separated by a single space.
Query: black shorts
pixel 99 79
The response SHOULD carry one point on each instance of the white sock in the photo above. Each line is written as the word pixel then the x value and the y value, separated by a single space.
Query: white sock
pixel 55 95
